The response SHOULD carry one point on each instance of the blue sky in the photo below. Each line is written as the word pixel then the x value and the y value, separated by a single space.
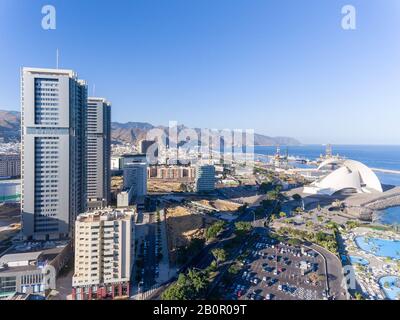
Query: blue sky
pixel 281 67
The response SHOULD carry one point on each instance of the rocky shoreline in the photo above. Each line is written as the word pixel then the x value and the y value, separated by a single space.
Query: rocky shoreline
pixel 367 211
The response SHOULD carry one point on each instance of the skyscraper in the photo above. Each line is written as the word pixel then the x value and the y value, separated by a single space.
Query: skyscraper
pixel 98 152
pixel 53 122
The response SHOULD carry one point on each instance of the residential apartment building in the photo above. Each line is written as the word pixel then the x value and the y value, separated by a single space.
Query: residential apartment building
pixel 104 254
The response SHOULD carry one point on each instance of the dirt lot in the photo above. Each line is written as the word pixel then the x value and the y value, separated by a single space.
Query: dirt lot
pixel 9 213
pixel 182 226
pixel 164 186
pixel 116 183
pixel 10 217
pixel 220 205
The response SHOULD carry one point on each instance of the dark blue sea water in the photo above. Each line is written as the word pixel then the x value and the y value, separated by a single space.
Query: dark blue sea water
pixel 382 157
pixel 389 216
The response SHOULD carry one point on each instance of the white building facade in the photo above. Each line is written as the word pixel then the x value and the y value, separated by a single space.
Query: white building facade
pixel 104 254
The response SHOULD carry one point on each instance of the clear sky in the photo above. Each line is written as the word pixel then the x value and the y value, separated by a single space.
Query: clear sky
pixel 281 67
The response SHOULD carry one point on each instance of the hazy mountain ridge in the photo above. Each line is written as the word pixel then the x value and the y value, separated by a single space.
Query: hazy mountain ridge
pixel 10 125
pixel 131 132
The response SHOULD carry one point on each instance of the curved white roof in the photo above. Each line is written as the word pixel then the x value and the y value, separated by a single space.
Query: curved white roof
pixel 330 161
pixel 352 174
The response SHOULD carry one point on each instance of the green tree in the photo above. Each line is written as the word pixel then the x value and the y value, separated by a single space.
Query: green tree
pixel 358 296
pixel 187 287
pixel 177 291
pixel 273 195
pixel 197 279
pixel 282 214
pixel 242 227
pixel 214 230
pixel 219 255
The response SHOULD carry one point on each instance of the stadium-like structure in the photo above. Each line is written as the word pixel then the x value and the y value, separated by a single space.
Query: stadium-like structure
pixel 349 174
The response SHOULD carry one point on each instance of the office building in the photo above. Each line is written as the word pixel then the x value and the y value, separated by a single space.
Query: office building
pixel 205 178
pixel 10 165
pixel 98 156
pixel 135 175
pixel 104 254
pixel 53 122
pixel 144 147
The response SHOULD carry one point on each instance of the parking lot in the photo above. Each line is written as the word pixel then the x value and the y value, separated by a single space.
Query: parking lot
pixel 278 271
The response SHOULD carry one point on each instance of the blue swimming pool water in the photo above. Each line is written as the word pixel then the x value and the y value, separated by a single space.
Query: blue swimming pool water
pixel 379 247
pixel 393 291
pixel 358 260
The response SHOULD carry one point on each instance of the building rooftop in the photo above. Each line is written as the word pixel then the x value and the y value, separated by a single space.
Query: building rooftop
pixel 30 256
pixel 107 214
pixel 16 257
pixel 103 100
pixel 65 72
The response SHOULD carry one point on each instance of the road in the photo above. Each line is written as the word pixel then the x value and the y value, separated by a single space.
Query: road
pixel 150 258
pixel 334 272
pixel 203 259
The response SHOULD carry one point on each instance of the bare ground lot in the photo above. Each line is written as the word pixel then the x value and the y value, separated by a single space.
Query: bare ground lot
pixel 10 223
pixel 182 226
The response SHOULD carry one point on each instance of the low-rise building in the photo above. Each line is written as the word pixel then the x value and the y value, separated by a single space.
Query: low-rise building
pixel 104 251
pixel 32 268
pixel 10 165
pixel 125 198
pixel 116 163
pixel 135 174
pixel 172 172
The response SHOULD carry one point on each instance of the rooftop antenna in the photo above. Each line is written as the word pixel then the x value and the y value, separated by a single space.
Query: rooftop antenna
pixel 57 57
pixel 94 90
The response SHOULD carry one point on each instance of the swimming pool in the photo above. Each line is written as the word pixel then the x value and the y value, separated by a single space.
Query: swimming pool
pixel 358 260
pixel 379 247
pixel 392 287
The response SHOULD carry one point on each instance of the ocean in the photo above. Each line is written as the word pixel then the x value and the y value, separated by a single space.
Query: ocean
pixel 381 157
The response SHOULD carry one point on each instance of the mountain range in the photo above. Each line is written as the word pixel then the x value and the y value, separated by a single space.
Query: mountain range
pixel 10 125
pixel 130 132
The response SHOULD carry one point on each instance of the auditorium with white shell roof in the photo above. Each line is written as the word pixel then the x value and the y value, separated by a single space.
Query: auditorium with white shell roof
pixel 348 174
